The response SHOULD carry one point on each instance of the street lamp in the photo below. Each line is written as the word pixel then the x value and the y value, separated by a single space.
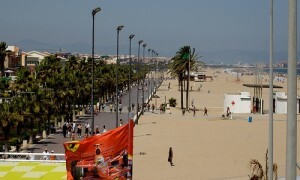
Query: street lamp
pixel 94 12
pixel 143 86
pixel 149 80
pixel 119 28
pixel 153 51
pixel 129 83
pixel 137 89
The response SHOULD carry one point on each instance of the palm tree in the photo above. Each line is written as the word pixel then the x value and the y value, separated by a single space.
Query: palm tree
pixel 257 171
pixel 181 63
pixel 3 47
pixel 24 91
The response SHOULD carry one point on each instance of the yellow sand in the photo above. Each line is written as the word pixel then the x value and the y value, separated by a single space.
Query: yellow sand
pixel 206 147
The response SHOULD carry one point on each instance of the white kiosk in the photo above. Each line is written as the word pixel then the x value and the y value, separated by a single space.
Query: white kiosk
pixel 238 103
pixel 280 103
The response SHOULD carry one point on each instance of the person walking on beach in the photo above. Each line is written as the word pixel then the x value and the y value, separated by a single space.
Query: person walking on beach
pixel 205 111
pixel 194 110
pixel 170 157
pixel 227 112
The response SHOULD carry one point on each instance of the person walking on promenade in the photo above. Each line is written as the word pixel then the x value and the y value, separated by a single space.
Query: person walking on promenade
pixel 52 156
pixel 46 154
pixel 110 108
pixel 73 136
pixel 120 108
pixel 148 106
pixel 65 130
pixel 79 127
pixel 104 129
pixel 205 111
pixel 97 130
pixel 170 157
pixel 87 127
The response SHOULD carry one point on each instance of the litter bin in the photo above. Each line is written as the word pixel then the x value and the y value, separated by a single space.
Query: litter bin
pixel 250 119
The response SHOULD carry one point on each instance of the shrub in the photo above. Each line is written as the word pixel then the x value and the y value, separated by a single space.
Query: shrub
pixel 13 141
pixel 172 102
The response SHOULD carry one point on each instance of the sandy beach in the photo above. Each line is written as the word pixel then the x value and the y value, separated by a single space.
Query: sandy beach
pixel 207 147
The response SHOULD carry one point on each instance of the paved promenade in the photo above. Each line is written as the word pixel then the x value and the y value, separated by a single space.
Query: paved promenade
pixel 55 141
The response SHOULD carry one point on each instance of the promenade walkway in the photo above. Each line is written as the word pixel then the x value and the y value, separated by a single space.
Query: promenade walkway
pixel 55 141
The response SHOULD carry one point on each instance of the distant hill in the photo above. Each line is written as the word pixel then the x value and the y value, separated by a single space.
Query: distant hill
pixel 216 57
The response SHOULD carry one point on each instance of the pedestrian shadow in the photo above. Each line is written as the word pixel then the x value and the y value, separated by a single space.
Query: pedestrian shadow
pixel 140 153
pixel 147 123
pixel 45 142
pixel 143 135
pixel 163 90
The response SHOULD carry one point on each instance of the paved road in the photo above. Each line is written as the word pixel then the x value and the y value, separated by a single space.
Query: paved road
pixel 54 141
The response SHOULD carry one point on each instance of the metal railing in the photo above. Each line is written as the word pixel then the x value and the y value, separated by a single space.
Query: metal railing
pixel 32 157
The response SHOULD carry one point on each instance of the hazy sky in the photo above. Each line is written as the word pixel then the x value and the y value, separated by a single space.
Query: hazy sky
pixel 165 25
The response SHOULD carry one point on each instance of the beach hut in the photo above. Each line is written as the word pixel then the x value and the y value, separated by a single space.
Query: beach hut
pixel 238 103
pixel 280 103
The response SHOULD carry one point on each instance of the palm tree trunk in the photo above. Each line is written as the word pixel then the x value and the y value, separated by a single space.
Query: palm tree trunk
pixel 181 91
pixel 178 83
pixel 187 91
pixel 31 131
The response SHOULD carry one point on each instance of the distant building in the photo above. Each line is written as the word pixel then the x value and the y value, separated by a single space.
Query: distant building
pixel 12 58
pixel 33 58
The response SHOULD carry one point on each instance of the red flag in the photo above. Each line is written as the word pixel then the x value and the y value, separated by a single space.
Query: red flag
pixel 107 156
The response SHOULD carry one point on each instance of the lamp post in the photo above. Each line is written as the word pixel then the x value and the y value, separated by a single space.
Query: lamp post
pixel 149 80
pixel 138 82
pixel 271 126
pixel 119 28
pixel 154 73
pixel 94 12
pixel 156 60
pixel 291 134
pixel 143 86
pixel 129 83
